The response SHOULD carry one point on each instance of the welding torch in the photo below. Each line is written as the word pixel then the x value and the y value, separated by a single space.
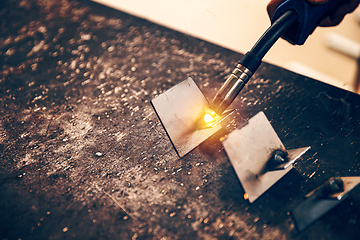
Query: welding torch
pixel 294 21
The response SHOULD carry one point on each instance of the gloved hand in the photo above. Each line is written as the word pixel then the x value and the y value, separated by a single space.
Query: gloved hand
pixel 347 6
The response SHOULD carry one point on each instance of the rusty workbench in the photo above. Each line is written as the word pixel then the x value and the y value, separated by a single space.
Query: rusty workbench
pixel 84 156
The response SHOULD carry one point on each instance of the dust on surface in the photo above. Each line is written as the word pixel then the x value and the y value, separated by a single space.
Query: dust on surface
pixel 84 154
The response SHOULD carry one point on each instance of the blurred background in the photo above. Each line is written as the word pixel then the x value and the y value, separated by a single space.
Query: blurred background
pixel 329 55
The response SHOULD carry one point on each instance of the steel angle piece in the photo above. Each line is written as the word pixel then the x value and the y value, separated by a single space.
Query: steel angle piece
pixel 292 156
pixel 181 110
pixel 322 200
pixel 258 156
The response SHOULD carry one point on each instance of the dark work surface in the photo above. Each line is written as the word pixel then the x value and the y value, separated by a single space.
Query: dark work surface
pixel 84 156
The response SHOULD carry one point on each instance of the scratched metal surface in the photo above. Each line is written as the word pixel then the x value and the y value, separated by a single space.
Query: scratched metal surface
pixel 84 156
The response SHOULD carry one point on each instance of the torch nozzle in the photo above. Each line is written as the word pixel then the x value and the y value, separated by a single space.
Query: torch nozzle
pixel 231 88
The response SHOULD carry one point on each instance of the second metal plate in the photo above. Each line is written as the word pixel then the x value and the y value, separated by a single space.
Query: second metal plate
pixel 249 149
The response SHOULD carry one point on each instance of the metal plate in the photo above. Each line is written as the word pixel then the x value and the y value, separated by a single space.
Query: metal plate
pixel 311 210
pixel 249 149
pixel 314 207
pixel 180 108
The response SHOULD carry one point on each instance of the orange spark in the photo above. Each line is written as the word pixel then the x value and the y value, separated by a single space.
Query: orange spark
pixel 246 196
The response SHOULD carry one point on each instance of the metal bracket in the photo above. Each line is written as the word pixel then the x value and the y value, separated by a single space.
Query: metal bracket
pixel 252 152
pixel 181 110
pixel 322 200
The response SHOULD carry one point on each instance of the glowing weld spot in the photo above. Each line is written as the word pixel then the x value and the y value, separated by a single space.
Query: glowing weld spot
pixel 208 118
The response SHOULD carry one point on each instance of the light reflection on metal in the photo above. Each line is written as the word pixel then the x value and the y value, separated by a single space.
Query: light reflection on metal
pixel 250 150
pixel 181 110
pixel 322 200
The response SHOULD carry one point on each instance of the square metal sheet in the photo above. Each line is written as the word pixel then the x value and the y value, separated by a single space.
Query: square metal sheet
pixel 249 149
pixel 315 207
pixel 180 109
pixel 311 210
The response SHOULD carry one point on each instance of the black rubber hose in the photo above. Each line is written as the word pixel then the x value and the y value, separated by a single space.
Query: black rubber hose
pixel 273 33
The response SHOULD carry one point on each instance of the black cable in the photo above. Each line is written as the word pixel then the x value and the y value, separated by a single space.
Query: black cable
pixel 251 61
pixel 273 33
